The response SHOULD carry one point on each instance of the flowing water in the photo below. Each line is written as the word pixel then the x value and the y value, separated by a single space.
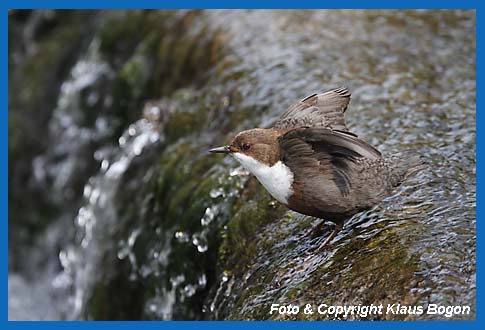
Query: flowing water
pixel 150 223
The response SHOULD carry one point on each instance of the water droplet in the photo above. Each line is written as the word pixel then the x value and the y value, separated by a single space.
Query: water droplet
pixel 87 191
pixel 202 248
pixel 63 259
pixel 152 112
pixel 189 290
pixel 118 168
pixel 239 171
pixel 214 193
pixel 123 253
pixel 104 165
pixel 200 242
pixel 208 217
pixel 202 280
pixel 234 172
pixel 182 236
pixel 131 130
pixel 133 236
pixel 177 280
pixel 93 198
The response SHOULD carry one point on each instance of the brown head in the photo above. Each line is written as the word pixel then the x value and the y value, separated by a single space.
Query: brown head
pixel 258 143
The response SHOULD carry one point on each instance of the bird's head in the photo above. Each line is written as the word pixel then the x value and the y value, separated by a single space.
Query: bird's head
pixel 259 144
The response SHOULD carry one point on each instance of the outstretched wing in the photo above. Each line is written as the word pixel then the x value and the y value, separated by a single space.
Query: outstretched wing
pixel 318 110
pixel 320 156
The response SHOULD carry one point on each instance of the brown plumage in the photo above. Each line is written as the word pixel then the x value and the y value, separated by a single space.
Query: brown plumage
pixel 333 174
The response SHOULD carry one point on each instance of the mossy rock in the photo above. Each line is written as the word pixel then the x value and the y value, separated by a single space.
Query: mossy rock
pixel 276 263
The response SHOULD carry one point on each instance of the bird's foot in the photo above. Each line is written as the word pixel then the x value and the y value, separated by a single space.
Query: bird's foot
pixel 338 228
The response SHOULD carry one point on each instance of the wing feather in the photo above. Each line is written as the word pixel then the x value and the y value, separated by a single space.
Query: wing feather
pixel 318 110
pixel 330 157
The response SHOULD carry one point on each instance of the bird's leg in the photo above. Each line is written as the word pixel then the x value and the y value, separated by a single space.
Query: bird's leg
pixel 316 230
pixel 338 227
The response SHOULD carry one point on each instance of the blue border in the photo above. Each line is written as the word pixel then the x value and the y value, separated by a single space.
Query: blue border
pixel 224 4
pixel 122 4
pixel 4 155
pixel 479 154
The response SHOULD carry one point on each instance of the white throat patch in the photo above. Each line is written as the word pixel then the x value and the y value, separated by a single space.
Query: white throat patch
pixel 277 179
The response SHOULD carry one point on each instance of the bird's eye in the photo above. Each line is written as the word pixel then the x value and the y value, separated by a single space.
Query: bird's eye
pixel 246 146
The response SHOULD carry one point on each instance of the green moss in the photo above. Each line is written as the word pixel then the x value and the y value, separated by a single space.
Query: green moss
pixel 121 31
pixel 254 212
pixel 50 62
pixel 133 72
pixel 107 301
pixel 183 123
pixel 269 258
pixel 157 53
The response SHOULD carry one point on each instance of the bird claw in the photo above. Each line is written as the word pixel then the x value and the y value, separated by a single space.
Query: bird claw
pixel 325 244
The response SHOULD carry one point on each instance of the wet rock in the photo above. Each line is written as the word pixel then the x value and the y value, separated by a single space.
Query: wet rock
pixel 138 221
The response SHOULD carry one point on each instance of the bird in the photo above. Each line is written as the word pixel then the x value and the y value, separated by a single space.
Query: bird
pixel 313 164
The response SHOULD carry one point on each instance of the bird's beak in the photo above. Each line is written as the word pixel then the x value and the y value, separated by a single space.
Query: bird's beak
pixel 221 150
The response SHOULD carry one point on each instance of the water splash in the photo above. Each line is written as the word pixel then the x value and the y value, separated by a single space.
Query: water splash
pixel 97 219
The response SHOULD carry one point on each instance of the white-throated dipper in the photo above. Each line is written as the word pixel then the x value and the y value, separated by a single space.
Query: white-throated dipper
pixel 313 164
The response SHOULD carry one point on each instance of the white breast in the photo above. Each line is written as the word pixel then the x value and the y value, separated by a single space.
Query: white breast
pixel 277 179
